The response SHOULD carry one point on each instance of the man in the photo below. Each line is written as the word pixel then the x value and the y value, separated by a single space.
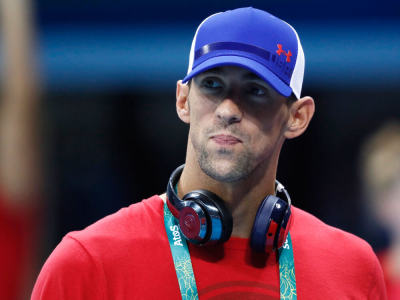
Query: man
pixel 241 99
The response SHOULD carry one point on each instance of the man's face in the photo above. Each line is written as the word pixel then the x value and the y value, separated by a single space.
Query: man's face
pixel 236 122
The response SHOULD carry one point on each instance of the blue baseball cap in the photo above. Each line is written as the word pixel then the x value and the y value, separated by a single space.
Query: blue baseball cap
pixel 252 39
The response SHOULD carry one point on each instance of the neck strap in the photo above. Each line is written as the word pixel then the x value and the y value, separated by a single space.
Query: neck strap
pixel 184 269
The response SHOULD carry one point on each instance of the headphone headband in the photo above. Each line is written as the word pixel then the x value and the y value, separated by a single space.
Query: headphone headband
pixel 280 188
pixel 172 197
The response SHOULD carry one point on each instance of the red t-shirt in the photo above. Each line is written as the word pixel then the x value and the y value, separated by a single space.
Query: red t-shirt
pixel 127 256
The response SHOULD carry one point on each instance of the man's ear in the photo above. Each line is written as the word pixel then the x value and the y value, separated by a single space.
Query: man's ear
pixel 182 104
pixel 301 112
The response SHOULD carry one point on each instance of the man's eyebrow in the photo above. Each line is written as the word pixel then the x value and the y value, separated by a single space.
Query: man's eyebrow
pixel 246 76
pixel 254 77
pixel 251 75
pixel 216 70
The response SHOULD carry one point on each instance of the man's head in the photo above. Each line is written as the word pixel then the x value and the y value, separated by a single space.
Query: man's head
pixel 239 103
pixel 252 39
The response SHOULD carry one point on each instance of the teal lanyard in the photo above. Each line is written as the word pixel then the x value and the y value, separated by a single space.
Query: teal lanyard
pixel 184 269
pixel 287 275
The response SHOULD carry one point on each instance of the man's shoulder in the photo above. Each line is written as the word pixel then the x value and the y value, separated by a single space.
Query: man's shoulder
pixel 113 245
pixel 312 233
pixel 346 261
pixel 127 223
pixel 122 234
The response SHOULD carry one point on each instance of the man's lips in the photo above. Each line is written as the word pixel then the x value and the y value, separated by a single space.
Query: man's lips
pixel 225 139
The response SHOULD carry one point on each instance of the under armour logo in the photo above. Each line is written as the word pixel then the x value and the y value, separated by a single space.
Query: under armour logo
pixel 287 54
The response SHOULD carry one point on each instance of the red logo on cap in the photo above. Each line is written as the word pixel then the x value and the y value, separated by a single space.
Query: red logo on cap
pixel 287 54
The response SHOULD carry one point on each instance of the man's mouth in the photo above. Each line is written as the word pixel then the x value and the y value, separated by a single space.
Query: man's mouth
pixel 225 139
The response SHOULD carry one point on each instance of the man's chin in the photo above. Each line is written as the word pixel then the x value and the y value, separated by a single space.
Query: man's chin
pixel 223 172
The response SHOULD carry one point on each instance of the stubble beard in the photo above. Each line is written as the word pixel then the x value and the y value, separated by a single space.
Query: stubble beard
pixel 224 165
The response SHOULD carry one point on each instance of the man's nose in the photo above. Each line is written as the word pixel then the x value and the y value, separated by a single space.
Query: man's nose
pixel 229 111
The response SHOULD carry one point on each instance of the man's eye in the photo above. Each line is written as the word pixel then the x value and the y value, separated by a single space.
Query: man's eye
pixel 211 83
pixel 256 91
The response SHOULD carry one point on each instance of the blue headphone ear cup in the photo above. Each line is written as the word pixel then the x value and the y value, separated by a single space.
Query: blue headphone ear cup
pixel 225 216
pixel 218 218
pixel 267 224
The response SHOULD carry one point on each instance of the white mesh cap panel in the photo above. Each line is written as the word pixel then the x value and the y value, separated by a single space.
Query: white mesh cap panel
pixel 191 55
pixel 296 81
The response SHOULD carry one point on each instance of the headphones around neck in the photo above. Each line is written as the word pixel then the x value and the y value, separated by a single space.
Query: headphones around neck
pixel 204 219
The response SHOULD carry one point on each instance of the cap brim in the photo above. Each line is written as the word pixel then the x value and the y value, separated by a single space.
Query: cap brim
pixel 244 62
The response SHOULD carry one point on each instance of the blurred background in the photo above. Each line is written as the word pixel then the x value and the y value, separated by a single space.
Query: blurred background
pixel 97 82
